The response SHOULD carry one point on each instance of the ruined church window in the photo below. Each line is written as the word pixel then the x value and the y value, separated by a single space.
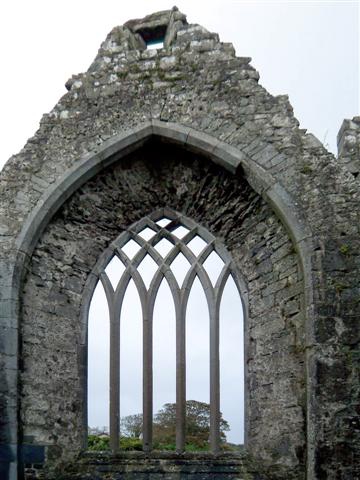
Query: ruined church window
pixel 172 332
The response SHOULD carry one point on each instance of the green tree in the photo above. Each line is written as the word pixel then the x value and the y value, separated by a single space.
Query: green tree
pixel 197 424
pixel 164 426
pixel 131 425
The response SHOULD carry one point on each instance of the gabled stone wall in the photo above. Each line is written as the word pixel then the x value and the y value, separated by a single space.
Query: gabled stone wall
pixel 296 237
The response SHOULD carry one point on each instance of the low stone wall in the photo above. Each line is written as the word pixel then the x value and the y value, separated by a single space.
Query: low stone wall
pixel 158 466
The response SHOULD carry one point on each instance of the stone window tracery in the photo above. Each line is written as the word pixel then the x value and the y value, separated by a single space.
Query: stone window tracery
pixel 152 250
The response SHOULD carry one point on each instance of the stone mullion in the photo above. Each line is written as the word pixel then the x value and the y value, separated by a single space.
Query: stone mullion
pixel 198 269
pixel 114 382
pixel 148 300
pixel 165 271
pixel 131 272
pixel 147 376
pixel 215 415
pixel 181 349
pixel 211 296
pixel 214 382
pixel 114 361
pixel 180 377
pixel 147 355
pixel 115 332
pixel 181 353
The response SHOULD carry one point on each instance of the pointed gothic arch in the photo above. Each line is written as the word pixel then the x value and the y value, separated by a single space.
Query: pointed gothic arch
pixel 118 147
pixel 111 153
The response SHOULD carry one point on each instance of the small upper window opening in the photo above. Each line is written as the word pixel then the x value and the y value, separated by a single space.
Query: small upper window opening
pixel 153 36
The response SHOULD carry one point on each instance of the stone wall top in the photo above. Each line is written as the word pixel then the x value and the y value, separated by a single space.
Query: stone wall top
pixel 157 25
pixel 348 140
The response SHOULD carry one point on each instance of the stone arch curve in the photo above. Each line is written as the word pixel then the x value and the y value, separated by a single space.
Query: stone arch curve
pixel 112 150
pixel 118 147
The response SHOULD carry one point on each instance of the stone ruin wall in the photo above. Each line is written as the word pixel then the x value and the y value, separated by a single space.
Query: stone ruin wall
pixel 197 82
pixel 156 177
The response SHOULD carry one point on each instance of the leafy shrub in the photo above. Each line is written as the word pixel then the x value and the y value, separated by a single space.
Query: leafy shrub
pixel 196 447
pixel 130 443
pixel 102 442
pixel 164 446
pixel 98 442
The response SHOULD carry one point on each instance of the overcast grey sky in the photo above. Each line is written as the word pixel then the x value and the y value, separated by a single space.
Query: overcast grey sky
pixel 306 49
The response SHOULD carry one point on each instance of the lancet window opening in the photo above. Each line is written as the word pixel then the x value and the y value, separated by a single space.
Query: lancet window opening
pixel 148 237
